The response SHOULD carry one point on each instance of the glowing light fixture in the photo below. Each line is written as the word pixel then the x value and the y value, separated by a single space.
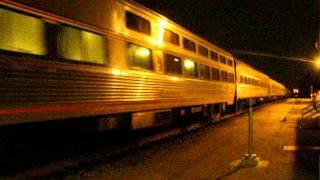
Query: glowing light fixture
pixel 142 52
pixel 296 91
pixel 188 64
pixel 176 60
pixel 174 78
pixel 318 61
pixel 163 23
pixel 116 72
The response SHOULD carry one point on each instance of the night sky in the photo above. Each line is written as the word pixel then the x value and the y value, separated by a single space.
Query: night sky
pixel 279 27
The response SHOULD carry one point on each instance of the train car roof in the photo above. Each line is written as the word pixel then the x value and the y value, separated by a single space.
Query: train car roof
pixel 241 63
pixel 181 28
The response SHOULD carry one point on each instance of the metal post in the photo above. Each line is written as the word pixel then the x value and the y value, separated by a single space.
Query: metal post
pixel 250 158
pixel 250 130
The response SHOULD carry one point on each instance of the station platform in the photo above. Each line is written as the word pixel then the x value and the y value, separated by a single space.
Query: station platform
pixel 284 151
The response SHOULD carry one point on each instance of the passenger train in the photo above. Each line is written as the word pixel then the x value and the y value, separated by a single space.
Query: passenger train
pixel 117 61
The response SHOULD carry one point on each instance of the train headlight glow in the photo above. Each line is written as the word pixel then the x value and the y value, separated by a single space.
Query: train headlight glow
pixel 188 64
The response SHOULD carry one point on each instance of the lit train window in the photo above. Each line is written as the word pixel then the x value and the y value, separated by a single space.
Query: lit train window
pixel 172 64
pixel 224 75
pixel 215 74
pixel 171 37
pixel 75 44
pixel 230 63
pixel 189 45
pixel 139 57
pixel 190 68
pixel 137 23
pixel 230 77
pixel 203 51
pixel 204 72
pixel 21 33
pixel 214 56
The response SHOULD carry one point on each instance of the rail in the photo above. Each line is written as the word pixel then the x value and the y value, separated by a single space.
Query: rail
pixel 308 111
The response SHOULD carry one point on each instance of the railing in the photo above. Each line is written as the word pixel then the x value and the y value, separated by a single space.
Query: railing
pixel 307 111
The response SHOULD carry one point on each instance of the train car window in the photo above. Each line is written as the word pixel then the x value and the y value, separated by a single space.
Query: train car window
pixel 241 79
pixel 245 80
pixel 214 56
pixel 224 75
pixel 21 33
pixel 223 59
pixel 75 44
pixel 139 57
pixel 137 23
pixel 189 45
pixel 172 64
pixel 69 43
pixel 204 72
pixel 190 68
pixel 215 74
pixel 230 63
pixel 230 77
pixel 93 47
pixel 171 37
pixel 203 51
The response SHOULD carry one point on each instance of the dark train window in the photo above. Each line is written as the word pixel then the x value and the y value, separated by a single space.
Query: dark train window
pixel 215 74
pixel 223 59
pixel 230 63
pixel 75 44
pixel 203 51
pixel 204 72
pixel 224 75
pixel 21 33
pixel 214 56
pixel 171 37
pixel 245 80
pixel 241 79
pixel 230 77
pixel 190 68
pixel 172 64
pixel 189 45
pixel 137 23
pixel 140 57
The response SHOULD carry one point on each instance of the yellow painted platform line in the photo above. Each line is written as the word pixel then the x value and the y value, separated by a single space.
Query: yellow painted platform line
pixel 295 148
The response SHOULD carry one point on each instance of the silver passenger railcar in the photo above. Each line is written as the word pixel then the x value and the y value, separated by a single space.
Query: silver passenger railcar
pixel 113 59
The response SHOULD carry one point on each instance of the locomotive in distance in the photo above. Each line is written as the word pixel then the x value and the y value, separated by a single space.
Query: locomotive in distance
pixel 117 61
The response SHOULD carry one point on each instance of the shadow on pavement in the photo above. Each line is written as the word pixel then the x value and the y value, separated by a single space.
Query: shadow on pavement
pixel 308 153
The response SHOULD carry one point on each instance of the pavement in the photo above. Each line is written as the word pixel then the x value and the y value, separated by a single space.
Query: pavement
pixel 284 151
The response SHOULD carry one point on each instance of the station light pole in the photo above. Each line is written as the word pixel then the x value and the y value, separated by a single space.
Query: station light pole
pixel 250 159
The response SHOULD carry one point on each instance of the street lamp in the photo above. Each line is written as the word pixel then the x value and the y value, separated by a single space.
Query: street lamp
pixel 318 61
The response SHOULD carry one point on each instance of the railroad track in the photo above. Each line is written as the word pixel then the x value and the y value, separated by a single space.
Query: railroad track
pixel 94 148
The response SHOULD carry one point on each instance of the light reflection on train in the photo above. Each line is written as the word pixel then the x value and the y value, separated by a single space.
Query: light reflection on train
pixel 118 61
